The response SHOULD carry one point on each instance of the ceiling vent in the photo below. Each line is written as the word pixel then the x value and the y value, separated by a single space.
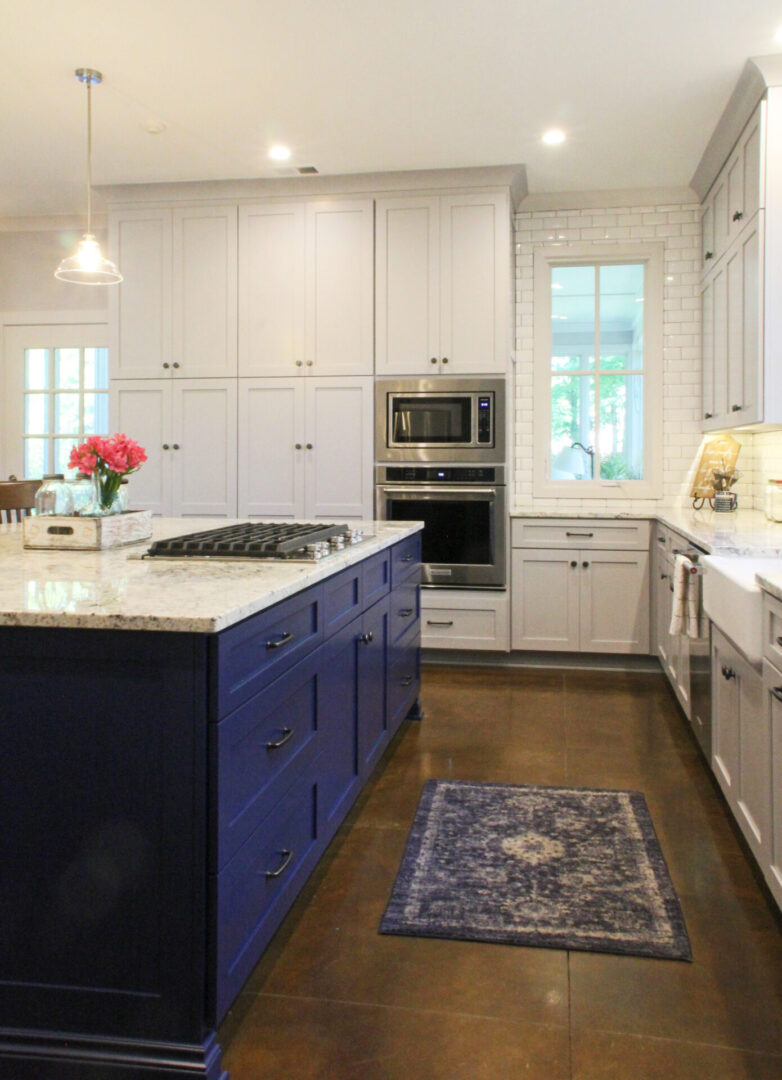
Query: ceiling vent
pixel 307 170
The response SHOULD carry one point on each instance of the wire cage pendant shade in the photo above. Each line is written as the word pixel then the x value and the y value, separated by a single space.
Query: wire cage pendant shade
pixel 88 266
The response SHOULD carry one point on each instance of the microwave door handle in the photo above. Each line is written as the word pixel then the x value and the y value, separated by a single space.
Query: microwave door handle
pixel 401 425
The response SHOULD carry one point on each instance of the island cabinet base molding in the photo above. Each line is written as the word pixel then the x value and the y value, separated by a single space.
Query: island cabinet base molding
pixel 43 1056
pixel 164 798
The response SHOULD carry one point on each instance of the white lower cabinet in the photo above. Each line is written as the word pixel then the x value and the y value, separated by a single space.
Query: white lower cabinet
pixel 188 429
pixel 772 708
pixel 586 598
pixel 464 619
pixel 741 742
pixel 305 448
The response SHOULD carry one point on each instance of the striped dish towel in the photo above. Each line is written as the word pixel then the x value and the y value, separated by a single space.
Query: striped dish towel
pixel 685 618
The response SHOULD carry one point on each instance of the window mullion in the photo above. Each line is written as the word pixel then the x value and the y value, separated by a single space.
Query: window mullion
pixel 596 444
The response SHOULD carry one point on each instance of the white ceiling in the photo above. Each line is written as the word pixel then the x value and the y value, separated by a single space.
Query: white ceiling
pixel 365 86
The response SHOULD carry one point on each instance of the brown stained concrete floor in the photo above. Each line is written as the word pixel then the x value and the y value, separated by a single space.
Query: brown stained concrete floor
pixel 332 999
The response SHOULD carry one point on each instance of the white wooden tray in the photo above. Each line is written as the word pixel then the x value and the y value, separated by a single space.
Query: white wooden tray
pixel 87 533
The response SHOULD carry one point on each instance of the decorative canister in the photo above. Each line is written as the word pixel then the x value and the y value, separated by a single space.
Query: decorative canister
pixel 54 496
pixel 724 501
pixel 774 500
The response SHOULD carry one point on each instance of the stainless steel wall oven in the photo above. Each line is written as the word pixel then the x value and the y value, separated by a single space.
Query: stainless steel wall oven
pixel 463 510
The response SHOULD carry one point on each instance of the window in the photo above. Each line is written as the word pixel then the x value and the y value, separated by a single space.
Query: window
pixel 598 333
pixel 57 380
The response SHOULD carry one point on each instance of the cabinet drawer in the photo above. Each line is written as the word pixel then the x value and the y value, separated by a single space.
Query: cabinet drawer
pixel 404 678
pixel 444 627
pixel 617 534
pixel 250 655
pixel 405 608
pixel 255 889
pixel 405 558
pixel 342 599
pixel 377 577
pixel 260 748
pixel 772 629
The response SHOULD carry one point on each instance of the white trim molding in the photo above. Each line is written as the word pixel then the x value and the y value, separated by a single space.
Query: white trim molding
pixel 651 255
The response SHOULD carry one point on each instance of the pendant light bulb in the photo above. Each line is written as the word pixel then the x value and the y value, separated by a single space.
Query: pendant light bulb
pixel 88 266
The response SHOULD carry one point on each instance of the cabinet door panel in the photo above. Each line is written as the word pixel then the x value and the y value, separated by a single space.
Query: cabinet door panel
pixel 720 353
pixel 204 466
pixel 338 769
pixel 339 426
pixel 721 223
pixel 754 794
pixel 752 322
pixel 271 284
pixel 545 600
pixel 339 288
pixel 614 589
pixel 271 469
pixel 725 716
pixel 373 732
pixel 474 238
pixel 204 291
pixel 140 243
pixel 143 410
pixel 707 350
pixel 407 266
pixel 773 681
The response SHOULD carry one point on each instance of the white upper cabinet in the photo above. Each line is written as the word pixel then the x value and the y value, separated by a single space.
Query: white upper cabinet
pixel 140 307
pixel 306 288
pixel 174 314
pixel 442 272
pixel 204 291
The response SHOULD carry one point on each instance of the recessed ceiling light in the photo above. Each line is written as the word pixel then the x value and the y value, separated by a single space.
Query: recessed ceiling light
pixel 279 153
pixel 553 137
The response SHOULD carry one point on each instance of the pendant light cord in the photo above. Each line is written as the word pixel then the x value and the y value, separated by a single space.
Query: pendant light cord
pixel 89 154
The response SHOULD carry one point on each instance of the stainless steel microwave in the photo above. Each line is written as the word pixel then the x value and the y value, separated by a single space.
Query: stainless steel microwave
pixel 440 420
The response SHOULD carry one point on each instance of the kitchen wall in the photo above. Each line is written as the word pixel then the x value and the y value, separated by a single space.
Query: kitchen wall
pixel 28 259
pixel 678 226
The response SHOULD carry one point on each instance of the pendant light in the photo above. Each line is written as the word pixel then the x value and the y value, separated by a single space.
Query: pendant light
pixel 88 266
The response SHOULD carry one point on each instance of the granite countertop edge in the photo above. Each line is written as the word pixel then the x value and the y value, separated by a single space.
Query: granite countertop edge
pixel 116 589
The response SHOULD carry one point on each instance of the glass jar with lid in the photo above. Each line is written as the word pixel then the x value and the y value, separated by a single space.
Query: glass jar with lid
pixel 774 500
pixel 54 496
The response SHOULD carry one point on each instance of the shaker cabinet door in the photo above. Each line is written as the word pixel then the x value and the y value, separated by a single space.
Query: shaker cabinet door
pixel 204 448
pixel 142 408
pixel 140 308
pixel 338 450
pixel 271 448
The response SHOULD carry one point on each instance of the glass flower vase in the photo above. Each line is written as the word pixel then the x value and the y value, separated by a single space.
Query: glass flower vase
pixel 104 496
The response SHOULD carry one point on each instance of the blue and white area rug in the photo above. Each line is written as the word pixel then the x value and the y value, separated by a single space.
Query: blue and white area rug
pixel 562 868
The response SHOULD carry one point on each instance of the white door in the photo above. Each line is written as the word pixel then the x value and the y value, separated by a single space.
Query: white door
pixel 474 284
pixel 545 600
pixel 204 292
pixel 614 601
pixel 271 289
pixel 271 448
pixel 338 450
pixel 203 448
pixel 140 306
pixel 339 287
pixel 142 409
pixel 54 392
pixel 407 289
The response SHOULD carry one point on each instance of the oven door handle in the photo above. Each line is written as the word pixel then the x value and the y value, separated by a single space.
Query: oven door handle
pixel 465 491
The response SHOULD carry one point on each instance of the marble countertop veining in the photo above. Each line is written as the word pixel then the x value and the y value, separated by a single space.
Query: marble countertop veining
pixel 118 590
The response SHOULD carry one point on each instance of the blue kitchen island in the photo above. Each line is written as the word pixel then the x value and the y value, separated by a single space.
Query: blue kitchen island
pixel 181 740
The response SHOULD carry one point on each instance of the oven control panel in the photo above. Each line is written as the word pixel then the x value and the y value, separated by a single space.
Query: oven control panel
pixel 445 474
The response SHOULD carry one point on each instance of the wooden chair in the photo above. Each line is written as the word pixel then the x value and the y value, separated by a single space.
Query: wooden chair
pixel 17 499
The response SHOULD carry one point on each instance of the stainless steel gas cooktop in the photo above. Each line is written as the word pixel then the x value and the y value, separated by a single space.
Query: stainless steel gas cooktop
pixel 305 542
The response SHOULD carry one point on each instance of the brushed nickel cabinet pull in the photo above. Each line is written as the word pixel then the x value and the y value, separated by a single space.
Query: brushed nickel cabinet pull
pixel 284 639
pixel 287 733
pixel 286 858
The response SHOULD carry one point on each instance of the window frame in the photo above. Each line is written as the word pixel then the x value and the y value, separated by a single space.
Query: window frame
pixel 651 254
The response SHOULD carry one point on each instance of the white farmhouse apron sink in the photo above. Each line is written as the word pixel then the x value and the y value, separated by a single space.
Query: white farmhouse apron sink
pixel 732 599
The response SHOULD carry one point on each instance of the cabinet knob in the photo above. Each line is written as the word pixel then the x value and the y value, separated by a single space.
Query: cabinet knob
pixel 445 359
pixel 708 415
pixel 176 446
pixel 166 446
pixel 405 613
pixel 309 445
pixel 309 363
pixel 175 364
pixel 166 366
pixel 298 446
pixel 735 408
pixel 779 641
pixel 709 255
pixel 574 563
pixel 366 639
pixel 777 692
pixel 738 215
pixel 663 577
pixel 585 565
pixel 299 363
pixel 433 360
pixel 727 672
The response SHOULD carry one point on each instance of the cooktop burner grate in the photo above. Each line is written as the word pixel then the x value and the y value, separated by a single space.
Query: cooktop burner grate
pixel 258 540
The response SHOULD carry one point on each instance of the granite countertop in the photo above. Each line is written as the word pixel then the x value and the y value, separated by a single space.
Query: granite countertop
pixel 741 533
pixel 118 590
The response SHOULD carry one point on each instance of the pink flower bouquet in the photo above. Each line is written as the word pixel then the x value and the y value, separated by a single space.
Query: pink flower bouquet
pixel 107 461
